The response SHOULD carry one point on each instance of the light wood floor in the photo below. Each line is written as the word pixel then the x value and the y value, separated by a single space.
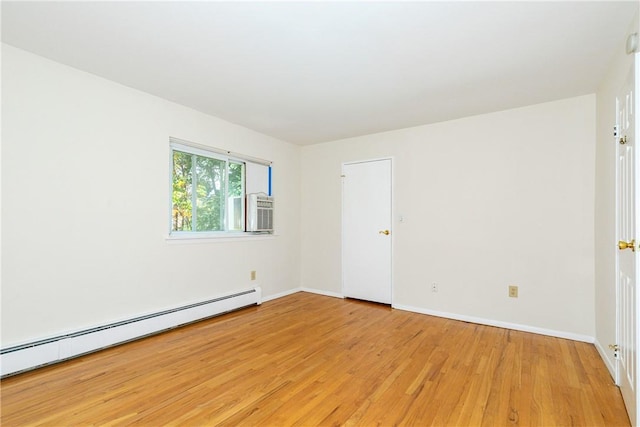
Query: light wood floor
pixel 312 360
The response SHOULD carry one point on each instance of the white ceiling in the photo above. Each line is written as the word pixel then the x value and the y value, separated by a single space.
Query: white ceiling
pixel 308 72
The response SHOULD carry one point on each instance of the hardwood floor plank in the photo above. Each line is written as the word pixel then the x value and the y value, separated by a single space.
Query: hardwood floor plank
pixel 312 360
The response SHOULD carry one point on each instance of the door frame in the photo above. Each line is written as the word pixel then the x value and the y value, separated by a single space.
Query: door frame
pixel 392 214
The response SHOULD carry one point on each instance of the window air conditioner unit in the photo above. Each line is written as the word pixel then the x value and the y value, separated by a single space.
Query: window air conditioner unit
pixel 259 212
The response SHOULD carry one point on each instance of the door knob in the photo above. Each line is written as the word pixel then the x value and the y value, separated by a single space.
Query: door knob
pixel 622 245
pixel 385 232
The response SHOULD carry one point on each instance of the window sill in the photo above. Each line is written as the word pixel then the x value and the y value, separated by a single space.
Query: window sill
pixel 187 238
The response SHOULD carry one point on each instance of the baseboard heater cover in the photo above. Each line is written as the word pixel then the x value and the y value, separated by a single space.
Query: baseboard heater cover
pixel 20 358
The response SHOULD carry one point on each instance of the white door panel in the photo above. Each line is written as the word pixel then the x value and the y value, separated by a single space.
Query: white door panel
pixel 366 229
pixel 626 198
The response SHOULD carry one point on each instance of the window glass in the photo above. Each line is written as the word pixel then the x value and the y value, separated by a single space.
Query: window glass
pixel 235 201
pixel 182 191
pixel 208 193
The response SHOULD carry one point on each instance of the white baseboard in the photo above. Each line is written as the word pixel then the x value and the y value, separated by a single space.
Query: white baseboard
pixel 322 292
pixel 281 294
pixel 464 318
pixel 608 361
pixel 498 323
pixel 302 289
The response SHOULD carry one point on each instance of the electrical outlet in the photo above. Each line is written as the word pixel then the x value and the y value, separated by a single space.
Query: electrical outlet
pixel 253 275
pixel 434 287
pixel 513 291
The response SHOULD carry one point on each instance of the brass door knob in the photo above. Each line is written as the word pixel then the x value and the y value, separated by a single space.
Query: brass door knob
pixel 622 245
pixel 385 232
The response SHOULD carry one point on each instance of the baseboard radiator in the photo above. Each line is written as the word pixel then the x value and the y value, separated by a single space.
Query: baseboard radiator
pixel 24 357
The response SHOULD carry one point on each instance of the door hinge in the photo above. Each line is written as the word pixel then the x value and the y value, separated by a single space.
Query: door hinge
pixel 616 350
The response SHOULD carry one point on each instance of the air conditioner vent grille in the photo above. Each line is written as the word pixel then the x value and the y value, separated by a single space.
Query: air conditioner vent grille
pixel 259 213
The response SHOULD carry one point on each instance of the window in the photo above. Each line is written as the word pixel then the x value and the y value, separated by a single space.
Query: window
pixel 208 189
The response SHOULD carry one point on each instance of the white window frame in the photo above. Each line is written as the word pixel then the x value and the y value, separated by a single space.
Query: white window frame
pixel 223 155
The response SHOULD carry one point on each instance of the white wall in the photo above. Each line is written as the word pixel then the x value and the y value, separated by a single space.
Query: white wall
pixel 85 181
pixel 605 198
pixel 491 200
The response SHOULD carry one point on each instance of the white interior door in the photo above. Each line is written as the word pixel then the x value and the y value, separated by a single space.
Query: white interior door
pixel 366 230
pixel 627 246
